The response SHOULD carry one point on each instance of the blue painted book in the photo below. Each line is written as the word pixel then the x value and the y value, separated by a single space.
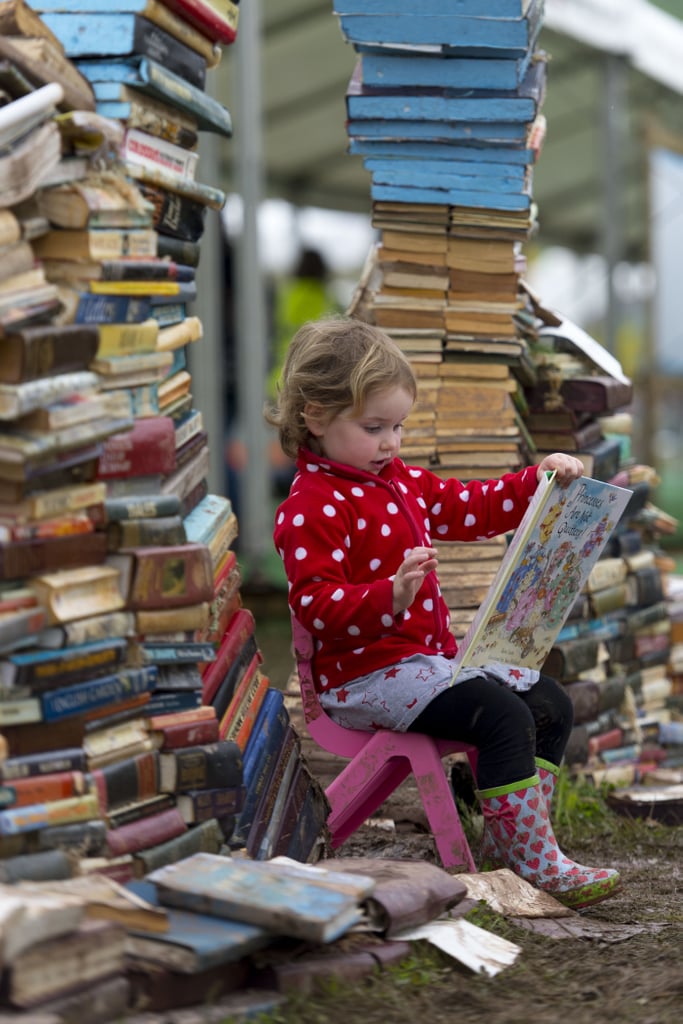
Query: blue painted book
pixel 439 174
pixel 388 69
pixel 42 669
pixel 193 942
pixel 455 197
pixel 474 156
pixel 96 693
pixel 493 8
pixel 411 104
pixel 260 757
pixel 112 309
pixel 475 132
pixel 166 702
pixel 468 35
pixel 113 33
pixel 207 518
pixel 286 898
pixel 149 77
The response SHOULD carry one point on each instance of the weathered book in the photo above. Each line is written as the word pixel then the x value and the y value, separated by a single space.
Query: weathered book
pixel 601 459
pixel 158 13
pixel 155 532
pixel 139 147
pixel 545 566
pixel 76 593
pixel 109 76
pixel 103 201
pixel 181 251
pixel 41 866
pixel 193 942
pixel 134 778
pixel 16 626
pixel 186 734
pixel 216 19
pixel 217 802
pixel 205 837
pixel 281 769
pixel 170 576
pixel 34 738
pixel 146 832
pixel 44 669
pixel 94 950
pixel 29 160
pixel 42 763
pixel 240 628
pixel 96 693
pixel 47 350
pixel 241 727
pixel 40 789
pixel 596 394
pixel 175 214
pixel 18 399
pixel 200 767
pixel 148 448
pixel 287 899
pixel 54 812
pixel 29 914
pixel 19 559
pixel 568 659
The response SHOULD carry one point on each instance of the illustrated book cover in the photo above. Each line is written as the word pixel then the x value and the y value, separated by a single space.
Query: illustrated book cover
pixel 548 561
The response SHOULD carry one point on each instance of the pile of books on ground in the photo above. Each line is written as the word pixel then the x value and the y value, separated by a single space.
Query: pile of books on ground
pixel 130 678
pixel 445 109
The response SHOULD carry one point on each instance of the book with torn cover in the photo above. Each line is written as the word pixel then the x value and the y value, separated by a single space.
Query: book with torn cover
pixel 288 899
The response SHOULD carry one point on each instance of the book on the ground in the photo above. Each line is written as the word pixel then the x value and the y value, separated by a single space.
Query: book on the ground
pixel 294 900
pixel 550 557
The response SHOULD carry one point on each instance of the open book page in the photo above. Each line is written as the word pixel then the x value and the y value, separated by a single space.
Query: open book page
pixel 549 559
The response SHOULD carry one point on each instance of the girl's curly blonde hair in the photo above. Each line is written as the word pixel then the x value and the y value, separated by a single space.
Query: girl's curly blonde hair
pixel 334 363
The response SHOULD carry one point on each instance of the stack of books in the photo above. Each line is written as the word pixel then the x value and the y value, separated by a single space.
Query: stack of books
pixel 112 760
pixel 445 109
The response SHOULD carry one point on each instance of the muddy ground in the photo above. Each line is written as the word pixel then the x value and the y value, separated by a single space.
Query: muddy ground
pixel 632 973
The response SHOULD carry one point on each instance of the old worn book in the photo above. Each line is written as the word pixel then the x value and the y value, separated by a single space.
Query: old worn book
pixel 193 942
pixel 94 950
pixel 170 576
pixel 104 201
pixel 200 767
pixel 48 349
pixel 96 243
pixel 76 593
pixel 290 899
pixel 146 832
pixel 545 566
pixel 205 837
pixel 29 913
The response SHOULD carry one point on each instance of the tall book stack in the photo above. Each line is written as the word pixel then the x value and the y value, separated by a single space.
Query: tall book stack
pixel 445 109
pixel 112 760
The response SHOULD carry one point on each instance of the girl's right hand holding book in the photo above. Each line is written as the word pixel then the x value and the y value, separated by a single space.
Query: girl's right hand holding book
pixel 410 576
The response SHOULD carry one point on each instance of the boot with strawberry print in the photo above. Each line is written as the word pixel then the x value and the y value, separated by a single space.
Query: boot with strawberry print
pixel 517 819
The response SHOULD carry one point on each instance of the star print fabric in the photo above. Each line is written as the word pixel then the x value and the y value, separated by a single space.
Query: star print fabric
pixel 342 534
pixel 392 698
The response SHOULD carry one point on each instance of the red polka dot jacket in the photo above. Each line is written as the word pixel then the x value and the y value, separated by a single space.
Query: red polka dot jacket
pixel 342 534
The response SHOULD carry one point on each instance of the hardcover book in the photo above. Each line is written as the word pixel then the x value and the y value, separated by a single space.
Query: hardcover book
pixel 46 350
pixel 290 899
pixel 170 576
pixel 207 766
pixel 549 559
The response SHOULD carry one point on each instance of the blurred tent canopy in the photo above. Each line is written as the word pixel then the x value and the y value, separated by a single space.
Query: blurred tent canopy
pixel 615 84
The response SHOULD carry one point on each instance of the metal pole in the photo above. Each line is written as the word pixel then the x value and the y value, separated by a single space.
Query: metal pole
pixel 613 124
pixel 251 328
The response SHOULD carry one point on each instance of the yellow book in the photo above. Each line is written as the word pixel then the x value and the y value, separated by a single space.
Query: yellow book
pixel 135 287
pixel 127 339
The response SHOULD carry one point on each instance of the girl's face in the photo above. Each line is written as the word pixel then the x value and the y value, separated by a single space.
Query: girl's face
pixel 368 441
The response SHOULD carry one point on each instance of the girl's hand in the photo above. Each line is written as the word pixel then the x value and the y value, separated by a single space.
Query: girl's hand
pixel 568 468
pixel 410 576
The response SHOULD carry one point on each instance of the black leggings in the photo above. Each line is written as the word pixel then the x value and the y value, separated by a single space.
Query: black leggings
pixel 508 728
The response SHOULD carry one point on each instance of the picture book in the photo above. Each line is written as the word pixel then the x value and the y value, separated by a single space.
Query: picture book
pixel 548 561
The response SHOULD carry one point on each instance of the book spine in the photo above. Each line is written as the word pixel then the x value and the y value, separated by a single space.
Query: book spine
pixel 138 835
pixel 41 789
pixel 216 22
pixel 120 339
pixel 41 351
pixel 174 214
pixel 75 700
pixel 154 42
pixel 27 558
pixel 132 779
pixel 201 804
pixel 155 532
pixel 35 765
pixel 141 507
pixel 241 730
pixel 172 89
pixel 112 309
pixel 98 627
pixel 188 734
pixel 202 767
pixel 170 577
pixel 56 812
pixel 151 151
pixel 205 837
pixel 69 664
pixel 148 448
pixel 126 814
pixel 240 628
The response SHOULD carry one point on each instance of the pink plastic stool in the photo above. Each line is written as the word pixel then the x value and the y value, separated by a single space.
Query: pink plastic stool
pixel 379 762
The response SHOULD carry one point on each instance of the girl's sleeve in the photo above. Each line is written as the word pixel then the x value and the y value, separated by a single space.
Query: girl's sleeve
pixel 478 509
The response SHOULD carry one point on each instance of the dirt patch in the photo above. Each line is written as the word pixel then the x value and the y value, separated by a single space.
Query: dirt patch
pixel 633 974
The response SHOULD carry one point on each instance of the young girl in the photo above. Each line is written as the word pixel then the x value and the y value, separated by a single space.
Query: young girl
pixel 355 535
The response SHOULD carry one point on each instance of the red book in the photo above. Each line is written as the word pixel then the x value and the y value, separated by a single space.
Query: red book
pixel 240 628
pixel 191 715
pixel 169 576
pixel 41 789
pixel 151 831
pixel 189 734
pixel 217 19
pixel 147 449
pixel 606 741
